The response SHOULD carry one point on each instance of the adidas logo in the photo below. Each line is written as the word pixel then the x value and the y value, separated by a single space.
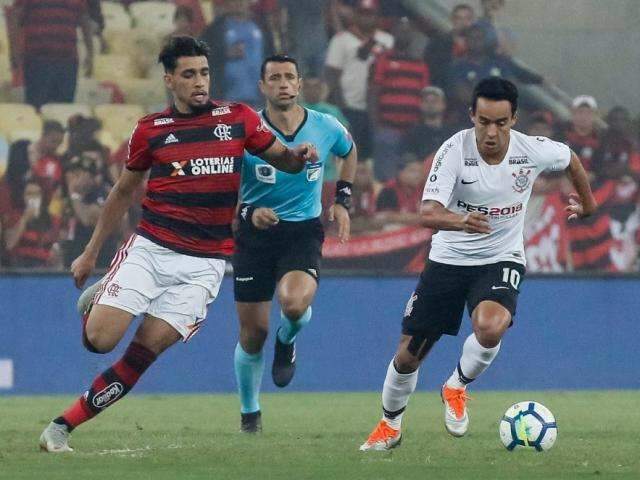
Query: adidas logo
pixel 171 139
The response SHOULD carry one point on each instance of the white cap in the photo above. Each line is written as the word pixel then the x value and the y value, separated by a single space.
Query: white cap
pixel 585 100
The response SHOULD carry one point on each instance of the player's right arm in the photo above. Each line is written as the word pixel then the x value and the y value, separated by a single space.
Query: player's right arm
pixel 116 205
pixel 438 190
pixel 435 215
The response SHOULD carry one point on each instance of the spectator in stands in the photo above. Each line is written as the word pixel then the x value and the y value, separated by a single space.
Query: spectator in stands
pixel 445 47
pixel 50 55
pixel 183 22
pixel 315 92
pixel 614 156
pixel 395 96
pixel 86 195
pixel 307 40
pixel 237 49
pixel 349 57
pixel 46 166
pixel 398 202
pixel 30 231
pixel 426 137
pixel 541 125
pixel 501 38
pixel 83 140
pixel 583 135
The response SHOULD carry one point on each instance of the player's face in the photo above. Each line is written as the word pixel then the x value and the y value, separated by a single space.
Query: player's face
pixel 189 83
pixel 493 120
pixel 281 84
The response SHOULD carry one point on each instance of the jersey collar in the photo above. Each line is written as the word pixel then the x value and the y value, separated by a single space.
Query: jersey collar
pixel 288 138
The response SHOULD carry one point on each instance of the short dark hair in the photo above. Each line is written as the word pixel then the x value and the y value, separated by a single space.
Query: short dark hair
pixel 51 126
pixel 278 59
pixel 495 88
pixel 178 47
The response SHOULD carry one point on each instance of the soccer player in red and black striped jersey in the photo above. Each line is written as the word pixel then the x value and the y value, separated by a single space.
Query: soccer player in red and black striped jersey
pixel 171 269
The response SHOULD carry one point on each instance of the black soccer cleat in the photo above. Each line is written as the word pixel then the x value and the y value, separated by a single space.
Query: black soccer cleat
pixel 284 363
pixel 251 422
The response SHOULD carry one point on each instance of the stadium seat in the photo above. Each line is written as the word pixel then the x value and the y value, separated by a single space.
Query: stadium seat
pixel 19 120
pixel 90 92
pixel 153 15
pixel 63 111
pixel 5 68
pixel 144 92
pixel 119 120
pixel 106 139
pixel 140 45
pixel 207 10
pixel 113 67
pixel 116 17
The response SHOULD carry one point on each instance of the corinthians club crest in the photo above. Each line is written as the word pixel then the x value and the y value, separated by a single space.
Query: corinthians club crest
pixel 522 180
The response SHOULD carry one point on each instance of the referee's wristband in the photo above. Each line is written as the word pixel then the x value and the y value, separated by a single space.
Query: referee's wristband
pixel 246 213
pixel 343 193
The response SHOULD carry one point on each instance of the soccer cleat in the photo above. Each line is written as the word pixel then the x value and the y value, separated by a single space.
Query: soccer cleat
pixel 251 422
pixel 456 419
pixel 284 363
pixel 85 302
pixel 55 439
pixel 382 438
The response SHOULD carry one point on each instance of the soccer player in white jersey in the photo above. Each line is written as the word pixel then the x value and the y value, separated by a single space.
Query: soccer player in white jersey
pixel 475 199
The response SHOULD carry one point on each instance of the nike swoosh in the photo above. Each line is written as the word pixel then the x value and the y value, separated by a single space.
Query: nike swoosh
pixel 468 183
pixel 493 287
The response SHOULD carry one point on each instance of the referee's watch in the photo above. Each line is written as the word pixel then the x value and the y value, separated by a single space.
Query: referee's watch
pixel 343 193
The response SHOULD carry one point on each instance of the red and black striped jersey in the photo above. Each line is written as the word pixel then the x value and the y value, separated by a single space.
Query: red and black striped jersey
pixel 194 163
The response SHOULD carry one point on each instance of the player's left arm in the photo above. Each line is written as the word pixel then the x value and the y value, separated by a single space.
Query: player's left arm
pixel 583 203
pixel 339 211
pixel 290 160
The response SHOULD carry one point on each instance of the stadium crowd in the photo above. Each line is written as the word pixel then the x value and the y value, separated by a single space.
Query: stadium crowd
pixel 398 83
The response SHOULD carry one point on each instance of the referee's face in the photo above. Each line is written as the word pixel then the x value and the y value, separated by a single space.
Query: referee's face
pixel 493 120
pixel 281 84
pixel 189 83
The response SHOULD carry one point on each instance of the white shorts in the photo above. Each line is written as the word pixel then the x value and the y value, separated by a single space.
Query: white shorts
pixel 145 277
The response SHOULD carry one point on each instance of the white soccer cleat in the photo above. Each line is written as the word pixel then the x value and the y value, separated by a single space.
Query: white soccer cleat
pixel 456 418
pixel 55 439
pixel 86 297
pixel 382 438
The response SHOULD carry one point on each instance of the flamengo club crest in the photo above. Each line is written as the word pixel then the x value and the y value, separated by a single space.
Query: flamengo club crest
pixel 522 180
pixel 222 131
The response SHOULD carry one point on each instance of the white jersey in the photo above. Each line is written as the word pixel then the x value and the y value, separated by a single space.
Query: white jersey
pixel 463 182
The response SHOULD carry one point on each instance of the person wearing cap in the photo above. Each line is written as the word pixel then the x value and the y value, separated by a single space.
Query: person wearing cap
pixel 349 58
pixel 582 135
pixel 425 138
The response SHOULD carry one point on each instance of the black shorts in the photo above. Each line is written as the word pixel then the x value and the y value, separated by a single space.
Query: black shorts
pixel 437 304
pixel 263 257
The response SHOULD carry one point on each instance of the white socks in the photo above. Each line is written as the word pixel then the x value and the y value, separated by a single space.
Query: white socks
pixel 395 394
pixel 474 360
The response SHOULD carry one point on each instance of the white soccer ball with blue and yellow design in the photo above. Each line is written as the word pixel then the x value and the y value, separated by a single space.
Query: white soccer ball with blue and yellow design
pixel 528 425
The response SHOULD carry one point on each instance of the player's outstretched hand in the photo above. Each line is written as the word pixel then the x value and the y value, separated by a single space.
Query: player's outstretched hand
pixel 475 222
pixel 574 209
pixel 264 218
pixel 81 268
pixel 306 152
pixel 340 214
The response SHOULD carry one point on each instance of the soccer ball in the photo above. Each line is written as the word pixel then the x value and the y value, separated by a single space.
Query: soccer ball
pixel 528 425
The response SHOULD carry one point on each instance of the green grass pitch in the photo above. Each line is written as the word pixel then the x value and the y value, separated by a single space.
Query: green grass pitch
pixel 316 436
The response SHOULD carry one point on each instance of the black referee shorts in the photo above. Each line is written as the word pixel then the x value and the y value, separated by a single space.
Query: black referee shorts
pixel 263 257
pixel 437 304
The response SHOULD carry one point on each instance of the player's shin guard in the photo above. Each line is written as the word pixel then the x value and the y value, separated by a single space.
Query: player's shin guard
pixel 249 369
pixel 395 394
pixel 110 386
pixel 289 328
pixel 475 359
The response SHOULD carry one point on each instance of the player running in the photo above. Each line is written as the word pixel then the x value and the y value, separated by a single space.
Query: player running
pixel 475 198
pixel 171 269
pixel 279 239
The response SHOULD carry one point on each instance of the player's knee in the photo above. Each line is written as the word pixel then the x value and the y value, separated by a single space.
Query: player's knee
pixel 97 343
pixel 253 338
pixel 293 308
pixel 490 328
